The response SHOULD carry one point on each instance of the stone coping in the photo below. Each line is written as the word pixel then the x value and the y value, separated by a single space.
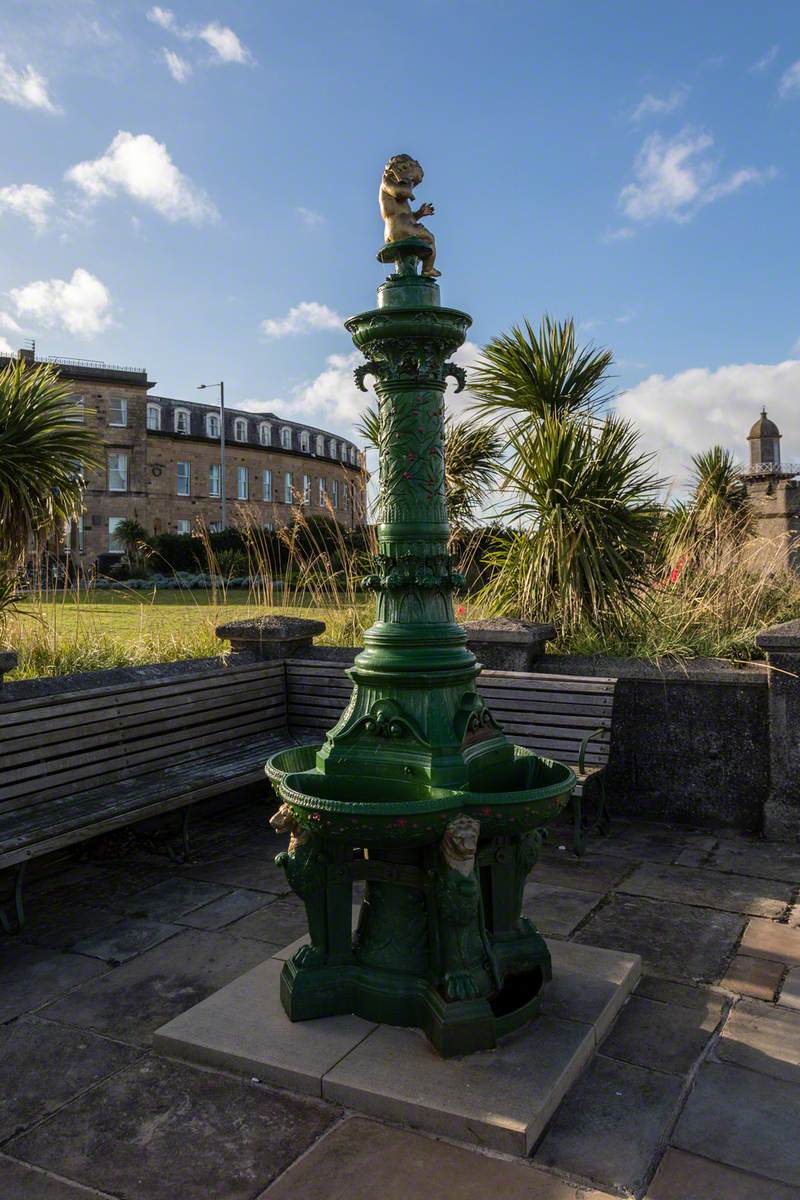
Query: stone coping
pixel 501 1099
pixel 270 628
pixel 784 637
pixel 504 629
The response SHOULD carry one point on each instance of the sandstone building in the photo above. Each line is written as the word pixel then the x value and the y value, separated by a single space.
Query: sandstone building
pixel 162 462
pixel 773 488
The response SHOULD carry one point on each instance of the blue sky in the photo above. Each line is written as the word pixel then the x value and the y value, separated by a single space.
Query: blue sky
pixel 174 178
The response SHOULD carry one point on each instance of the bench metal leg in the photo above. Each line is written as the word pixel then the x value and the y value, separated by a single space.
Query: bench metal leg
pixel 182 852
pixel 12 913
pixel 578 830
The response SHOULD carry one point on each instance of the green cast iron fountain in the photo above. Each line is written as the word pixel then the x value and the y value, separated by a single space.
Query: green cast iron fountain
pixel 416 790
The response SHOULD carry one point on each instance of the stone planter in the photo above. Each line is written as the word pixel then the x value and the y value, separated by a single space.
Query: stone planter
pixel 503 644
pixel 271 637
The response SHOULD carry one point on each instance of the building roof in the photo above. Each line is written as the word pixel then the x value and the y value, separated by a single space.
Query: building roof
pixel 763 428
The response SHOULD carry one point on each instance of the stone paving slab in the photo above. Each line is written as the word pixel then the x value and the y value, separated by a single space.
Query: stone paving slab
pixel 744 1119
pixel 592 873
pixel 59 928
pixel 609 1128
pixel 31 976
pixel 162 1131
pixel 768 860
pixel 674 940
pixel 682 1176
pixel 244 1028
pixel 790 992
pixel 361 1160
pixel 662 1037
pixel 257 873
pixel 556 911
pixel 763 1038
pixel 223 912
pixel 757 977
pixel 281 920
pixel 766 939
pixel 172 898
pixel 125 939
pixel 687 995
pixel 18 1181
pixel 131 1001
pixel 501 1098
pixel 710 889
pixel 43 1065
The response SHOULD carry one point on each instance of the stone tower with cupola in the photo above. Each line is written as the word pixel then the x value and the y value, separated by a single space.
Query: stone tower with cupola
pixel 773 488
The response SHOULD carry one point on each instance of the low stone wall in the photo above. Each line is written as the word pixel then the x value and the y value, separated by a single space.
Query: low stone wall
pixel 688 743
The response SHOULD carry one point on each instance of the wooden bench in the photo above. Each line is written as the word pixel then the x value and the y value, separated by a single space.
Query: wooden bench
pixel 79 764
pixel 565 717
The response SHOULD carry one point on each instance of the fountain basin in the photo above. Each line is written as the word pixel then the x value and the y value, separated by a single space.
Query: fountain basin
pixel 523 794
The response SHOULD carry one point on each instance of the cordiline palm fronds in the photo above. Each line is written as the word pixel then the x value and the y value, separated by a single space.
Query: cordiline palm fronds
pixel 587 509
pixel 717 519
pixel 44 449
pixel 471 453
pixel 532 375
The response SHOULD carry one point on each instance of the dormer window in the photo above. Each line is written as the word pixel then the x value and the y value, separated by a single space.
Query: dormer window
pixel 265 433
pixel 305 441
pixel 154 416
pixel 343 453
pixel 320 444
pixel 181 418
pixel 286 437
pixel 334 447
pixel 240 429
pixel 212 425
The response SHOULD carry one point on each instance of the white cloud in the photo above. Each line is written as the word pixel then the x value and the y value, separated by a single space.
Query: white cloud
pixel 25 88
pixel 680 415
pixel 226 44
pixel 309 217
pixel 619 235
pixel 790 80
pixel 677 176
pixel 27 200
pixel 766 60
pixel 162 16
pixel 5 346
pixel 178 67
pixel 141 166
pixel 80 305
pixel 305 317
pixel 9 324
pixel 657 106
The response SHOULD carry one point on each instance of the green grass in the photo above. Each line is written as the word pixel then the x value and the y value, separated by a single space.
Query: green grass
pixel 64 633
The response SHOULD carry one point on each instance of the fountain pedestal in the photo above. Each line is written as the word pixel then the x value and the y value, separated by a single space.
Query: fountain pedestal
pixel 416 790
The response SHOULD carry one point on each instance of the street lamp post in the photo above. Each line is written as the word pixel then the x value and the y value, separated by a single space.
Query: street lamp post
pixel 223 502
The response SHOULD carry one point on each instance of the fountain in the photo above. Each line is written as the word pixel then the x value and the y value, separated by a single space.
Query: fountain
pixel 416 790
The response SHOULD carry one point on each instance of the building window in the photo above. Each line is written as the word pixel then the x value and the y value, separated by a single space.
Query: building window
pixel 183 526
pixel 213 479
pixel 286 437
pixel 343 452
pixel 181 419
pixel 154 416
pixel 266 484
pixel 113 543
pixel 212 425
pixel 117 472
pixel 305 441
pixel 320 444
pixel 322 493
pixel 73 535
pixel 335 493
pixel 240 429
pixel 215 527
pixel 306 489
pixel 287 488
pixel 268 526
pixel 354 456
pixel 79 409
pixel 334 447
pixel 265 433
pixel 118 411
pixel 184 478
pixel 345 495
pixel 242 483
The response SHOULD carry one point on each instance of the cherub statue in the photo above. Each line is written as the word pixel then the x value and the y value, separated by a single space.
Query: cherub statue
pixel 401 175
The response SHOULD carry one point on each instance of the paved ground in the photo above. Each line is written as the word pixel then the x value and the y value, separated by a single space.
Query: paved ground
pixel 695 1094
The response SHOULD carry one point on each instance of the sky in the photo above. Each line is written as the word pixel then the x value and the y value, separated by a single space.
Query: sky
pixel 193 189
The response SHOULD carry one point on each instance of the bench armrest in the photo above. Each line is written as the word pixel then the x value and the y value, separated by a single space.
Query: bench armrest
pixel 584 744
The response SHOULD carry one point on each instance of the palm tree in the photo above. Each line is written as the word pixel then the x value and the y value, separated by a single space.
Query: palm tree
pixel 717 519
pixel 529 375
pixel 133 538
pixel 44 449
pixel 588 510
pixel 718 489
pixel 471 453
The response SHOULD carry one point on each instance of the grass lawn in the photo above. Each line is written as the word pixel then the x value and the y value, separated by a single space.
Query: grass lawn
pixel 55 636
